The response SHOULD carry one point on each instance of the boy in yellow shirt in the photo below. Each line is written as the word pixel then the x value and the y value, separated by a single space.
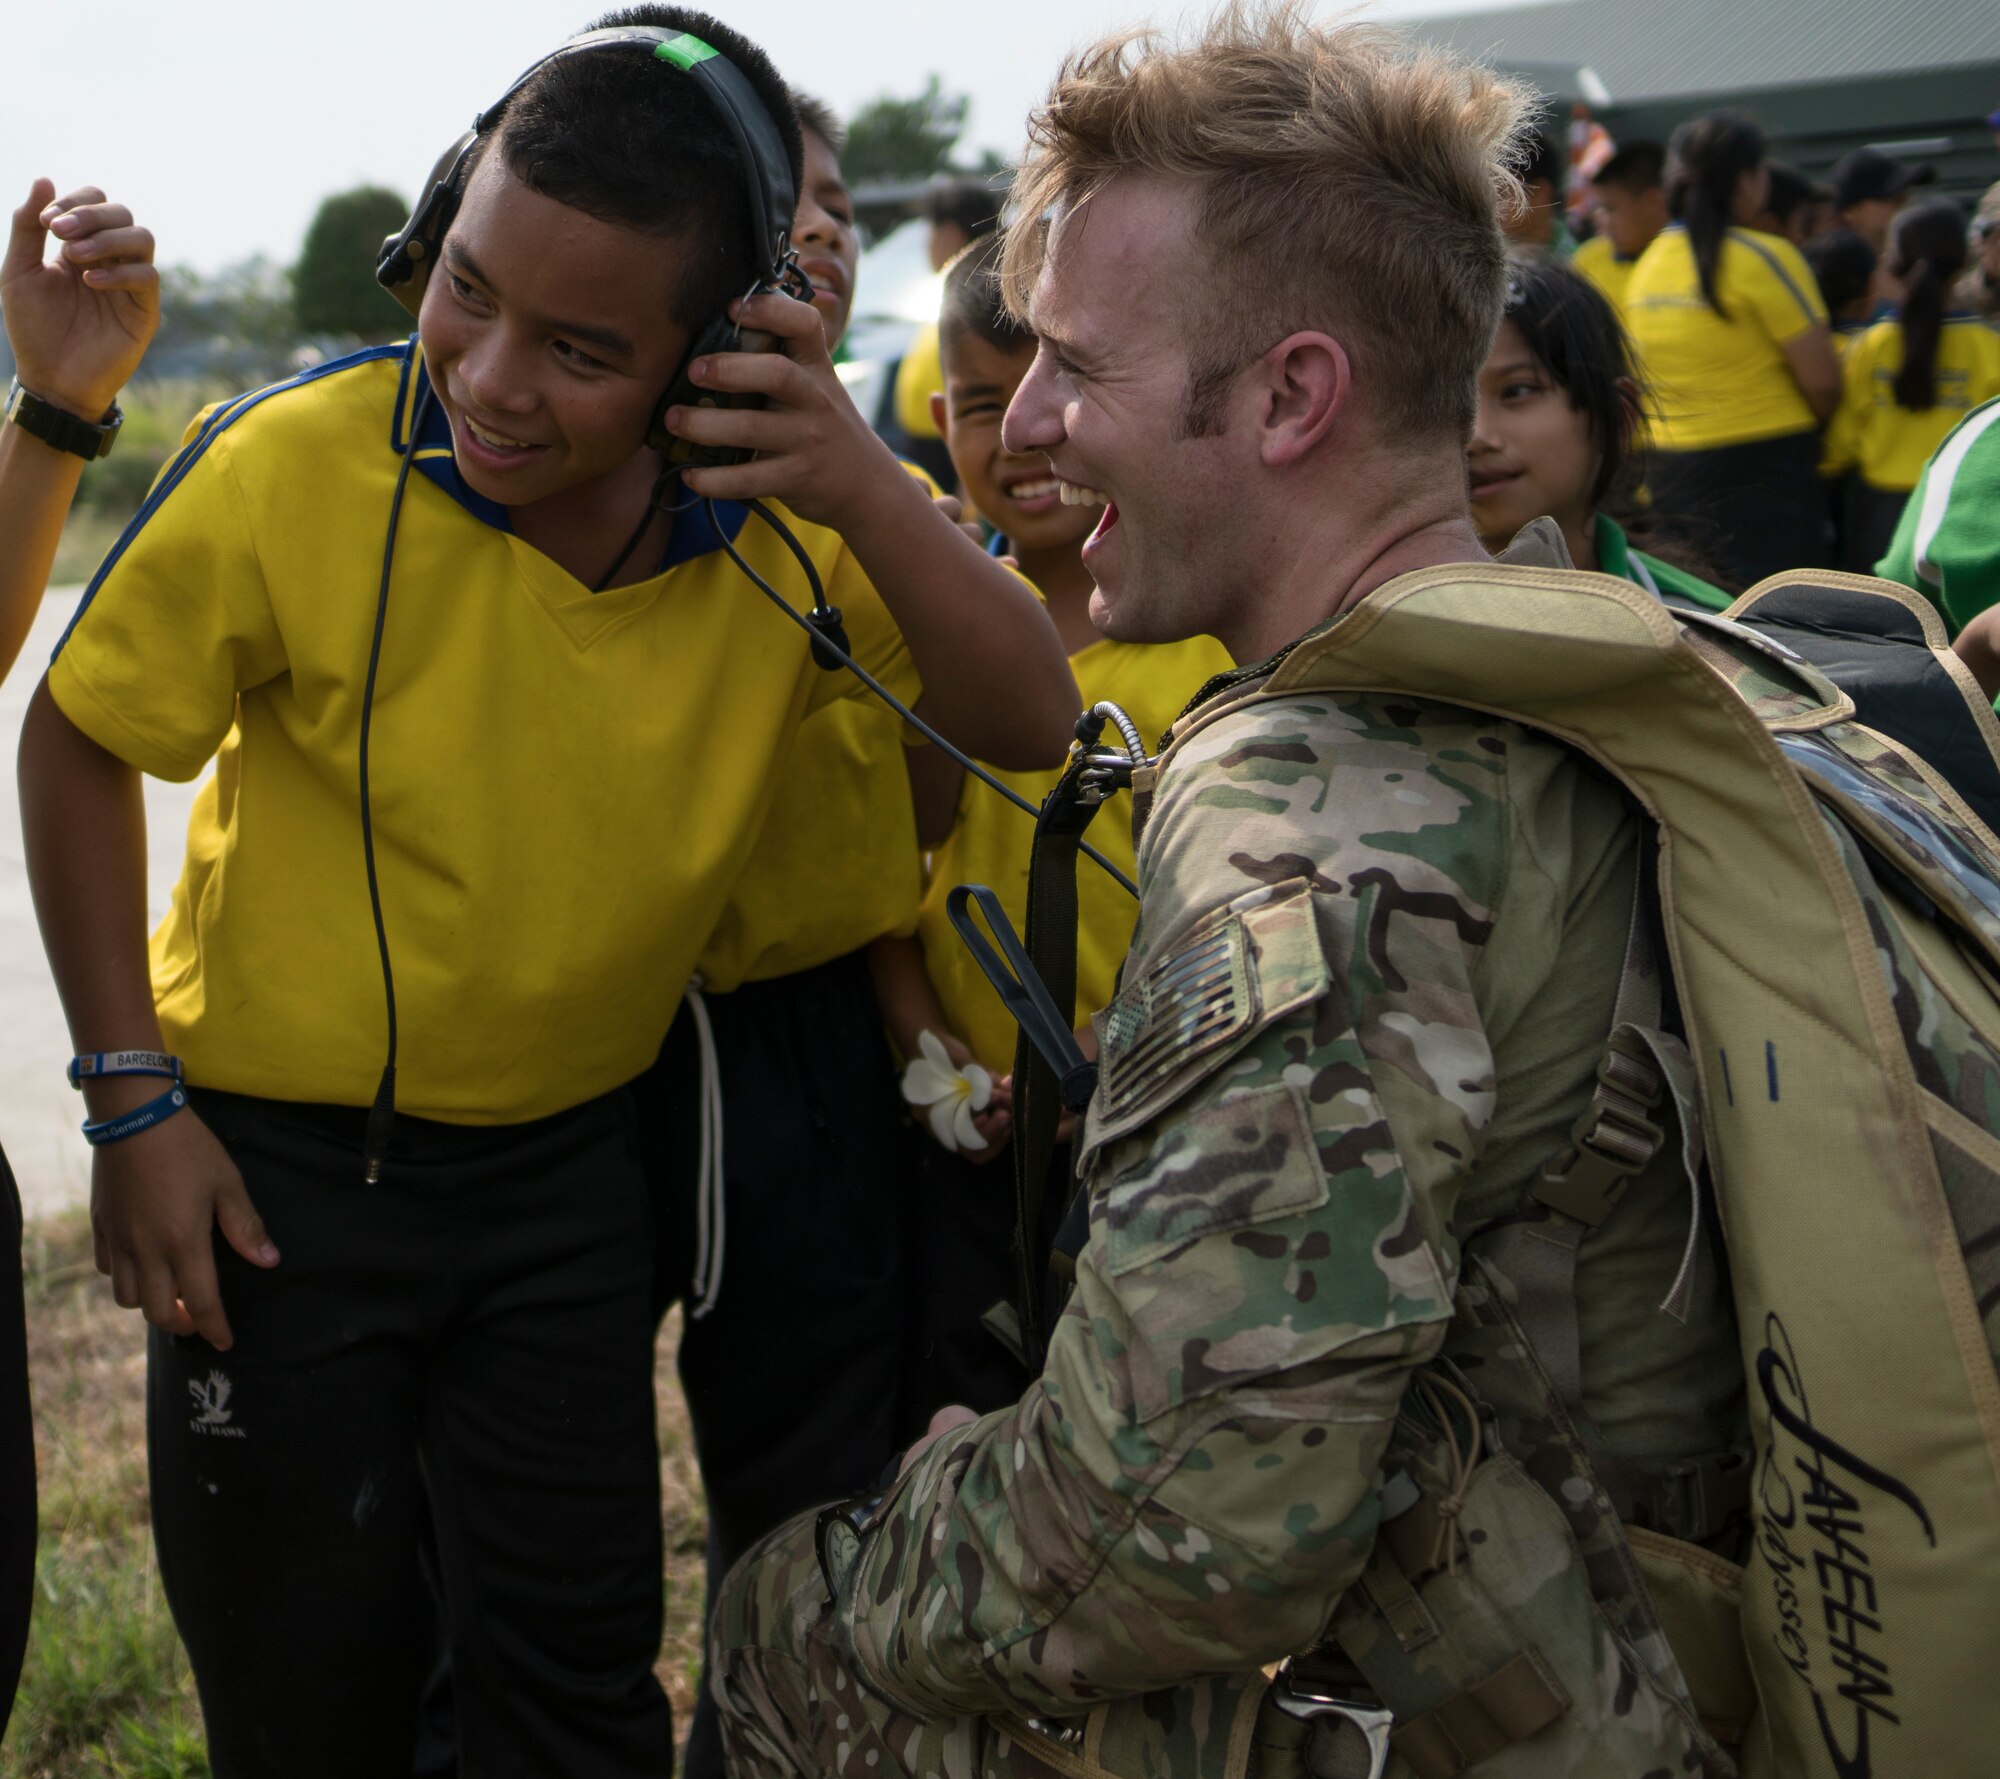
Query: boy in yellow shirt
pixel 489 696
pixel 1630 196
pixel 963 1221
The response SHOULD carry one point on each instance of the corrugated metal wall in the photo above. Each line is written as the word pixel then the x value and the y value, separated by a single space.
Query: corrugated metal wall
pixel 1824 76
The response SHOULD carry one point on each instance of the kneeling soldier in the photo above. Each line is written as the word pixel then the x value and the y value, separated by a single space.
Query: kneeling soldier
pixel 1379 946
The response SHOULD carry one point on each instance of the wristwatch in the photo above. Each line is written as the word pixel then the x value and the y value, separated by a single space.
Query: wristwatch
pixel 59 427
pixel 838 1534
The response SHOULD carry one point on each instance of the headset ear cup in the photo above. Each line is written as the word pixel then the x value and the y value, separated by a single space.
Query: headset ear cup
pixel 403 267
pixel 721 335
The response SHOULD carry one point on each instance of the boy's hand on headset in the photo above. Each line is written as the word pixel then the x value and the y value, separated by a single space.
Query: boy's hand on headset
pixel 814 450
pixel 78 323
pixel 155 1201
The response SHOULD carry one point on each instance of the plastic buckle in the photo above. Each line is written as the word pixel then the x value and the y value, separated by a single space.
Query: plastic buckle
pixel 1309 1703
pixel 1698 1497
pixel 1613 1139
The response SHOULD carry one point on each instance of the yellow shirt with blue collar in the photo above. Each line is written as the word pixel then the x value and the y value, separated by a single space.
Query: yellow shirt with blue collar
pixel 565 784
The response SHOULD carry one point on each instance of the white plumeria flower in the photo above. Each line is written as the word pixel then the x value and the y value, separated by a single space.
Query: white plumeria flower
pixel 949 1095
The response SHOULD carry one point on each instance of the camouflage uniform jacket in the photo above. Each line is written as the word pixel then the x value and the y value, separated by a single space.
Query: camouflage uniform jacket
pixel 1378 946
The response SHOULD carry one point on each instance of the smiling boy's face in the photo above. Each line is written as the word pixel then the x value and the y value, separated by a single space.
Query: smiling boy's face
pixel 1019 494
pixel 549 338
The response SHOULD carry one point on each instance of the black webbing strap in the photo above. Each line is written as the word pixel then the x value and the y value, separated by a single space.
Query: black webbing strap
pixel 1041 1094
pixel 1037 983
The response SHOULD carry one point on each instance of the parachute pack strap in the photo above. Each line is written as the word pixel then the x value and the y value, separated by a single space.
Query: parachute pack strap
pixel 1519 1699
pixel 1617 1137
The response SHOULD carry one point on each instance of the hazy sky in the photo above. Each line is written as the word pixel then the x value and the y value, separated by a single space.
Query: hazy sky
pixel 224 122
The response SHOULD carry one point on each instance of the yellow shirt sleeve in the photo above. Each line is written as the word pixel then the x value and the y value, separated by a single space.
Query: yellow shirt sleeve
pixel 177 623
pixel 1776 285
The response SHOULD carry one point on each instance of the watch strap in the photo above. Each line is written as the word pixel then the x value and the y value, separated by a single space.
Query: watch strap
pixel 59 427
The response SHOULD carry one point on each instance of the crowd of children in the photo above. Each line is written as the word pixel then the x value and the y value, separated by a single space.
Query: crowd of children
pixel 1804 346
pixel 673 1011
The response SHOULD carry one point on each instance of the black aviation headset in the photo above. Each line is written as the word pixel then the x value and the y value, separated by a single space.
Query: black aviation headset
pixel 403 268
pixel 404 265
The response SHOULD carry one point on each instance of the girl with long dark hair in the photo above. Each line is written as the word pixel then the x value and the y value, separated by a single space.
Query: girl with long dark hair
pixel 1908 381
pixel 1732 335
pixel 1559 407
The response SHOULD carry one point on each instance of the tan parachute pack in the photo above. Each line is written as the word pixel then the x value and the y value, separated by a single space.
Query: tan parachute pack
pixel 1831 913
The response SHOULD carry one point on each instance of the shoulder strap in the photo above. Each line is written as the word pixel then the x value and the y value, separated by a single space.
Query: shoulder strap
pixel 1646 1092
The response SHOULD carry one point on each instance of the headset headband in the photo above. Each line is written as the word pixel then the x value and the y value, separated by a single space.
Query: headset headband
pixel 403 266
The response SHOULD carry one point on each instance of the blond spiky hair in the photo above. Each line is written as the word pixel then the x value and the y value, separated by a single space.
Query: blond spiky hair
pixel 1344 180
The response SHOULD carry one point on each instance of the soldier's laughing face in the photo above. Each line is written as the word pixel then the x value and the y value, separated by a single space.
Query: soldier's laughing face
pixel 1107 402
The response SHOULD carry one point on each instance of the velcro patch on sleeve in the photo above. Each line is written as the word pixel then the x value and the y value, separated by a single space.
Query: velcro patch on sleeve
pixel 1185 1015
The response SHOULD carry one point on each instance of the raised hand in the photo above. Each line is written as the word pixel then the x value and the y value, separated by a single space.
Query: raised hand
pixel 80 322
pixel 814 450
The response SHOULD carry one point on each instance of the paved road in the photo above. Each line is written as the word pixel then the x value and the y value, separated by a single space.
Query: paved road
pixel 38 1112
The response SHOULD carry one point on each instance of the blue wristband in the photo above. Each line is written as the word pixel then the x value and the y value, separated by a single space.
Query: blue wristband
pixel 97 1063
pixel 130 1124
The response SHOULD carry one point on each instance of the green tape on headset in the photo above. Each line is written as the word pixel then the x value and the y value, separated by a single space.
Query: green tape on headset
pixel 684 51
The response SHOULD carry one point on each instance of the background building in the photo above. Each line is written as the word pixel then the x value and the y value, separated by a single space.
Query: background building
pixel 1917 78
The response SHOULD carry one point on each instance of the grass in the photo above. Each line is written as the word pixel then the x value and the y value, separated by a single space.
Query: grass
pixel 106 1692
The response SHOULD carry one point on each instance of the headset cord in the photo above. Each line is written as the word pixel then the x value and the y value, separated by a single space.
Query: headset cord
pixel 632 543
pixel 830 653
pixel 381 1125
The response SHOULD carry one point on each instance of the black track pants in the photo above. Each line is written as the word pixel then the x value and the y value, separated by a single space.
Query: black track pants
pixel 476 1330
pixel 17 1452
pixel 792 1377
pixel 1747 510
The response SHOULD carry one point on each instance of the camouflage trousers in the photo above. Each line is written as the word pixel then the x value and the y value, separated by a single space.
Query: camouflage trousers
pixel 792 1708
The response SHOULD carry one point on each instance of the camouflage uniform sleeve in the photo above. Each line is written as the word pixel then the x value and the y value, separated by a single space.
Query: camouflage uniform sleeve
pixel 1295 1078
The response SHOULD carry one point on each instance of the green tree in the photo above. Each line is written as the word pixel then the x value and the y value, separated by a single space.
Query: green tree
pixel 895 139
pixel 333 285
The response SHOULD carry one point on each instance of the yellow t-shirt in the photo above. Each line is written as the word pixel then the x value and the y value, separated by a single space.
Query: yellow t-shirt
pixel 1886 443
pixel 919 377
pixel 564 784
pixel 1598 261
pixel 836 863
pixel 1722 379
pixel 991 843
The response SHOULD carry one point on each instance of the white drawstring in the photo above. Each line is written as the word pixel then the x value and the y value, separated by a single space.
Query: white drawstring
pixel 706 1285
